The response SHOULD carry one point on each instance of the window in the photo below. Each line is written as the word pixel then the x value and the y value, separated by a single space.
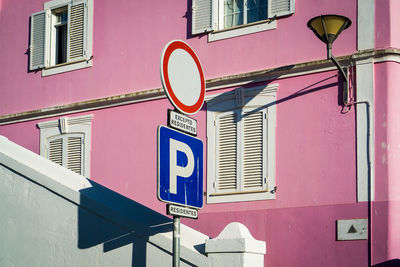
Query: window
pixel 239 12
pixel 67 142
pixel 59 31
pixel 226 18
pixel 241 145
pixel 61 36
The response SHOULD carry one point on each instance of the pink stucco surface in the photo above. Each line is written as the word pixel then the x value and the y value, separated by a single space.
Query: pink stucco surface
pixel 302 236
pixel 127 48
pixel 315 141
pixel 386 21
pixel 312 191
pixel 387 140
pixel 124 138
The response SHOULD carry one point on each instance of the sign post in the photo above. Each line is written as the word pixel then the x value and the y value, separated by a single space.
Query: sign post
pixel 176 247
pixel 180 156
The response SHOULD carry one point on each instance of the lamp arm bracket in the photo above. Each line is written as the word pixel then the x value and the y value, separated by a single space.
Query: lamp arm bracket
pixel 346 89
pixel 339 67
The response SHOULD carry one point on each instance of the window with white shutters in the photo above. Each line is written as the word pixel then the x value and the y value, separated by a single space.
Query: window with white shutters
pixel 241 145
pixel 61 36
pixel 226 18
pixel 240 151
pixel 66 141
pixel 67 150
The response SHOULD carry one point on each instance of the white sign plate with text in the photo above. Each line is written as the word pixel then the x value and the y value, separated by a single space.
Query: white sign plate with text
pixel 182 211
pixel 182 122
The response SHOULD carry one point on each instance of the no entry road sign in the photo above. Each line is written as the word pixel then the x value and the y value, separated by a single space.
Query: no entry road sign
pixel 182 77
pixel 180 168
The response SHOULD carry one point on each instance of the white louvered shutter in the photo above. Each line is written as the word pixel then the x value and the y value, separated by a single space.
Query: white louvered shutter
pixel 227 153
pixel 38 41
pixel 55 150
pixel 202 16
pixel 77 31
pixel 253 151
pixel 67 150
pixel 74 153
pixel 280 8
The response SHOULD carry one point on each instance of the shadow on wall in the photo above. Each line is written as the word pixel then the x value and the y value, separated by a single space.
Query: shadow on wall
pixel 315 87
pixel 390 263
pixel 108 218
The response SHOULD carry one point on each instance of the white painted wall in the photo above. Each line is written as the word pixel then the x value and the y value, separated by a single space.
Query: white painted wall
pixel 39 228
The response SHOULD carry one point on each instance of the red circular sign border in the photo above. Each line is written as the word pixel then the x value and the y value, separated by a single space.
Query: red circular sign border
pixel 177 44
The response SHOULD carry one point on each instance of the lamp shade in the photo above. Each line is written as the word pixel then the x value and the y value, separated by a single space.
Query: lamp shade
pixel 328 27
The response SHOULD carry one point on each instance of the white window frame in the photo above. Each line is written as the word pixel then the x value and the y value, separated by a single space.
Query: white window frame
pixel 246 28
pixel 221 15
pixel 260 98
pixel 53 31
pixel 68 126
pixel 49 67
pixel 208 16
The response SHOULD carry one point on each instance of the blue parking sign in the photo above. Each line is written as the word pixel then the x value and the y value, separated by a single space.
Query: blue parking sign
pixel 180 168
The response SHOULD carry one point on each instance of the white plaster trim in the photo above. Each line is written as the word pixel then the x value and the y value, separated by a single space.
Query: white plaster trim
pixel 388 58
pixel 365 93
pixel 72 187
pixel 55 4
pixel 365 24
pixel 63 125
pixel 365 154
pixel 67 67
pixel 70 121
pixel 242 245
pixel 240 31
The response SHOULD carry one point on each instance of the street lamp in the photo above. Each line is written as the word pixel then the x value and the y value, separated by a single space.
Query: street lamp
pixel 327 28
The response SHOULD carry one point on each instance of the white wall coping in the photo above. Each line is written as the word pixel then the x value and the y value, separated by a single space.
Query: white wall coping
pixel 235 238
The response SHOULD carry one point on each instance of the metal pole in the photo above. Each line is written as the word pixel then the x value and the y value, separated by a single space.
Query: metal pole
pixel 177 242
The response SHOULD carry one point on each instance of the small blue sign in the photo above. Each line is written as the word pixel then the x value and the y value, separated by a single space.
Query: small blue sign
pixel 180 168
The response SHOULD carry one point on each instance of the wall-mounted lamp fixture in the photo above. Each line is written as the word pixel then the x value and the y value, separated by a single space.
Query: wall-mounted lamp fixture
pixel 327 28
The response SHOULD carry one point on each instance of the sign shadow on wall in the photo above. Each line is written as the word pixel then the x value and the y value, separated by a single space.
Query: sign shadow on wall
pixel 108 218
pixel 312 88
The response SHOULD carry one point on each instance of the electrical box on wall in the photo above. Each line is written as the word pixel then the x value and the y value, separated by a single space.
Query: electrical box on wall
pixel 354 229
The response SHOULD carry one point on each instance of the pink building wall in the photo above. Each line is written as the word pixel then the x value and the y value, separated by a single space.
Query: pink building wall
pixel 127 49
pixel 386 19
pixel 387 147
pixel 315 142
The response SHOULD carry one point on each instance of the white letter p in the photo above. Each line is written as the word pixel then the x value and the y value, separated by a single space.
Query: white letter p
pixel 174 169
